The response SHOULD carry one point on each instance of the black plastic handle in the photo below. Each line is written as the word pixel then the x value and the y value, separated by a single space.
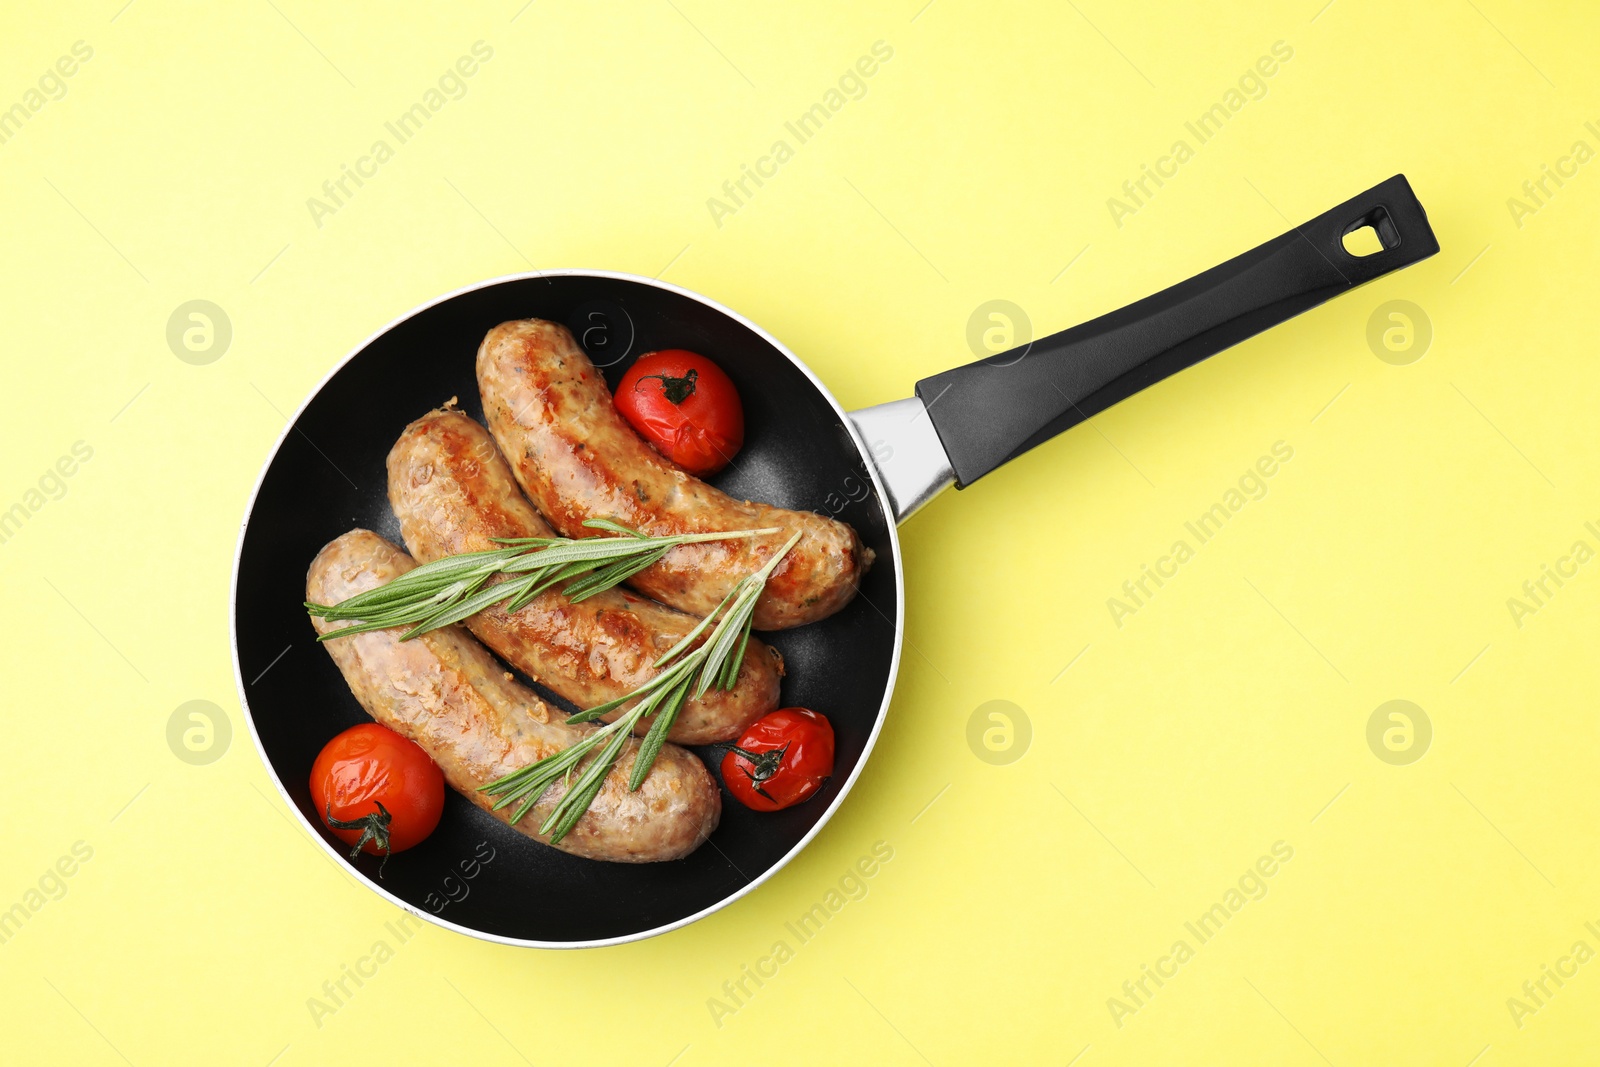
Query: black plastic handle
pixel 992 411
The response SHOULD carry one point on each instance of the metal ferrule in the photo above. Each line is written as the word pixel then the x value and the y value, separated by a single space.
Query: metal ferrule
pixel 907 453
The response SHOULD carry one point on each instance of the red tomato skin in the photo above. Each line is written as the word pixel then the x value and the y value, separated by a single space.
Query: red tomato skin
pixel 700 433
pixel 806 765
pixel 370 763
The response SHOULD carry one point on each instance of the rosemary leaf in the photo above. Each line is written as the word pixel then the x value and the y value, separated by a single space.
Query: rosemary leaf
pixel 570 808
pixel 429 579
pixel 731 675
pixel 660 681
pixel 700 628
pixel 720 644
pixel 612 575
pixel 611 527
pixel 483 598
pixel 650 747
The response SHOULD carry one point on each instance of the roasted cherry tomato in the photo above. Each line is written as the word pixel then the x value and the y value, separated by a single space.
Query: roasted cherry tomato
pixel 686 407
pixel 781 760
pixel 376 790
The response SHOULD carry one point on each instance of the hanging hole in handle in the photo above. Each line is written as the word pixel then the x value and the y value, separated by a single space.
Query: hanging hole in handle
pixel 1372 233
pixel 1362 241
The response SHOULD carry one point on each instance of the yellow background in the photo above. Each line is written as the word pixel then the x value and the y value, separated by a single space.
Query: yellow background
pixel 1228 714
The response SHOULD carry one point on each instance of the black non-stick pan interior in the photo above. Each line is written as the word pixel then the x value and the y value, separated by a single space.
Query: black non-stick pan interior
pixel 328 476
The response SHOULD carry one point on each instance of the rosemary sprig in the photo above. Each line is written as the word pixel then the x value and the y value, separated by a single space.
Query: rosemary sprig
pixel 451 589
pixel 689 673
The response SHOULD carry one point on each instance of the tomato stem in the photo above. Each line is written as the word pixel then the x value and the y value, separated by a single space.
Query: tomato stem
pixel 374 828
pixel 763 765
pixel 676 390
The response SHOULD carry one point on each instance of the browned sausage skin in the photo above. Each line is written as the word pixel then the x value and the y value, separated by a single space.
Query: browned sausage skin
pixel 452 491
pixel 577 458
pixel 445 692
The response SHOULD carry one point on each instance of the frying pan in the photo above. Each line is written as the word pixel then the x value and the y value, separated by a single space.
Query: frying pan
pixel 871 468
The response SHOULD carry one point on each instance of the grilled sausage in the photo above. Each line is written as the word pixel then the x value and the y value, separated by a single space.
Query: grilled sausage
pixel 577 458
pixel 446 693
pixel 452 492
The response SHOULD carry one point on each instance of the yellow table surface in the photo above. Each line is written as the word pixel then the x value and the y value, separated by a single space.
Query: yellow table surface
pixel 1434 910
